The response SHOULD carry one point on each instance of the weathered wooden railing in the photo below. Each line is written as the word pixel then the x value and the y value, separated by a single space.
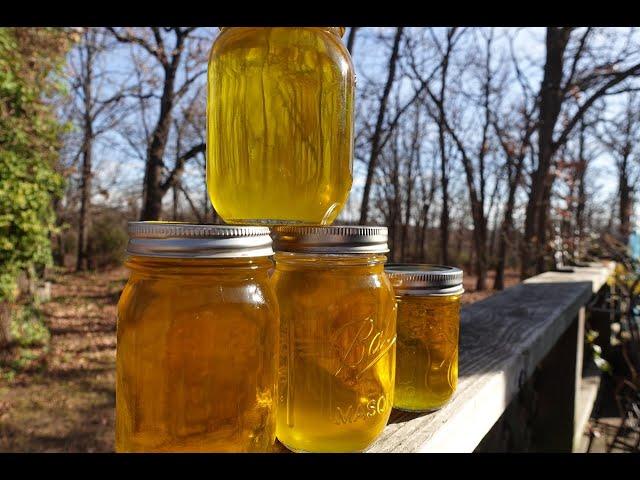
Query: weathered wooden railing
pixel 521 385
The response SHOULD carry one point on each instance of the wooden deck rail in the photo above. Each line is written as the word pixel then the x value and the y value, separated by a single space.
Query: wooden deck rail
pixel 521 373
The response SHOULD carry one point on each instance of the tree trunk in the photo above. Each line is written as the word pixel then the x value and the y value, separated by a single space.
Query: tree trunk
pixel 152 202
pixel 493 237
pixel 444 221
pixel 505 234
pixel 480 240
pixel 91 258
pixel 550 103
pixel 413 157
pixel 407 216
pixel 375 139
pixel 498 283
pixel 175 202
pixel 423 232
pixel 626 208
pixel 472 257
pixel 444 174
pixel 59 237
pixel 396 218
pixel 351 39
pixel 87 152
pixel 581 175
pixel 460 241
pixel 478 199
pixel 85 199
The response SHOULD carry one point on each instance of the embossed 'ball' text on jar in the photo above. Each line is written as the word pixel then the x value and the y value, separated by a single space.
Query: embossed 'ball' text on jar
pixel 197 340
pixel 337 337
pixel 428 331
pixel 280 125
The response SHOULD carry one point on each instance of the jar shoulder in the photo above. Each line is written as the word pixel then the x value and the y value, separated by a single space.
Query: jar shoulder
pixel 311 285
pixel 209 293
pixel 274 41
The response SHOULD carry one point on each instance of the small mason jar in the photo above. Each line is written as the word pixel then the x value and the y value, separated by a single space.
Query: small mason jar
pixel 428 329
pixel 338 333
pixel 280 125
pixel 197 339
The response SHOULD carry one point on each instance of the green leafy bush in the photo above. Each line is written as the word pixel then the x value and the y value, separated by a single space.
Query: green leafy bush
pixel 28 328
pixel 29 141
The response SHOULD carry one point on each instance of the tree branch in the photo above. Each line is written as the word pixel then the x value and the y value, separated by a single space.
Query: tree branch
pixel 179 166
pixel 576 59
pixel 602 91
pixel 131 39
pixel 191 204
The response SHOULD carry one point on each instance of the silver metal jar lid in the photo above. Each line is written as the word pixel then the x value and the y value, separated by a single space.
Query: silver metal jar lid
pixel 425 279
pixel 184 240
pixel 332 240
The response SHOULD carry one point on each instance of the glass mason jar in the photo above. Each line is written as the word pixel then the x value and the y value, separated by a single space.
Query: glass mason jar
pixel 338 332
pixel 428 330
pixel 280 125
pixel 196 366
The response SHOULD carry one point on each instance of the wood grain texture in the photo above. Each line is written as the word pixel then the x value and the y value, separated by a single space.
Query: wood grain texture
pixel 502 340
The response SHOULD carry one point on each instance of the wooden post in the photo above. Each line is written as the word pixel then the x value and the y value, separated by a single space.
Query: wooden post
pixel 556 382
pixel 541 417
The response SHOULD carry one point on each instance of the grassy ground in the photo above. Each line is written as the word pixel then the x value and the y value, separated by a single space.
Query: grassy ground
pixel 57 394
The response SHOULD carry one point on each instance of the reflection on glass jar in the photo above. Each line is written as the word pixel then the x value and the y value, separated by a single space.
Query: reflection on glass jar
pixel 428 329
pixel 197 341
pixel 338 331
pixel 280 125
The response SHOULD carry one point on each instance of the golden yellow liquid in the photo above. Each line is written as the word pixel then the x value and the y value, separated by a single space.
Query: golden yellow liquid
pixel 196 357
pixel 279 125
pixel 427 362
pixel 337 351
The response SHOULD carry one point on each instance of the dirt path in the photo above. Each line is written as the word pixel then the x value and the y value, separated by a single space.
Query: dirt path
pixel 67 405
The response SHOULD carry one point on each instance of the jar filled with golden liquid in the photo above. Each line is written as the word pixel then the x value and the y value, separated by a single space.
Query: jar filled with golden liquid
pixel 428 329
pixel 280 125
pixel 197 340
pixel 337 337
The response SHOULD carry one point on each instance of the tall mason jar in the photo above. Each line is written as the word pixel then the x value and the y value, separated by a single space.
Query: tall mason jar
pixel 338 333
pixel 280 125
pixel 197 340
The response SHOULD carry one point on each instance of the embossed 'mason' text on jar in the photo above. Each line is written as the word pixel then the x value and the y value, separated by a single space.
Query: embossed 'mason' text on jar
pixel 280 125
pixel 428 331
pixel 197 340
pixel 338 332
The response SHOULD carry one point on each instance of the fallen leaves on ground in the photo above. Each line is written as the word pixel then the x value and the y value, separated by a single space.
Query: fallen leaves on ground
pixel 67 405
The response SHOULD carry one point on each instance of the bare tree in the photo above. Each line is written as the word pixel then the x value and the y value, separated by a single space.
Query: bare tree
pixel 377 133
pixel 474 163
pixel 515 144
pixel 428 189
pixel 621 135
pixel 96 109
pixel 413 162
pixel 181 57
pixel 569 72
pixel 444 50
pixel 444 160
